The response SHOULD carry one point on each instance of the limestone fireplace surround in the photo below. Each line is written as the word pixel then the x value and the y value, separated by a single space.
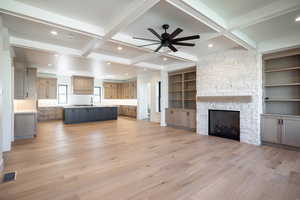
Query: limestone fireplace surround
pixel 248 134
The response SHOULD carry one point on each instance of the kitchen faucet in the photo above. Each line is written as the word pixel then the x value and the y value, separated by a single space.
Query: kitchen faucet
pixel 92 101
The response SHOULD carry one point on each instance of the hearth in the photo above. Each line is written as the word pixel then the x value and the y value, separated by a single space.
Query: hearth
pixel 224 123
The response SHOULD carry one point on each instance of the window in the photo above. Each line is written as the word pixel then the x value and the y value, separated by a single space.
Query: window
pixel 97 94
pixel 62 94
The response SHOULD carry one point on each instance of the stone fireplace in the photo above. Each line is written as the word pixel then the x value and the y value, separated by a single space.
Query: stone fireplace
pixel 231 81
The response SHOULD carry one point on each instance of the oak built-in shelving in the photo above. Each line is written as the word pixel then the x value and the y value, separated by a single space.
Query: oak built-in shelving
pixel 281 117
pixel 182 99
pixel 282 85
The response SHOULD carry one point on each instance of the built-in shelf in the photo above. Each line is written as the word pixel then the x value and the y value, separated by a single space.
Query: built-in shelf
pixel 283 69
pixel 192 80
pixel 193 90
pixel 282 100
pixel 178 91
pixel 282 84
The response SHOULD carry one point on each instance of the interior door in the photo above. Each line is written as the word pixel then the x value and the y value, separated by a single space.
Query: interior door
pixel 291 132
pixel 271 130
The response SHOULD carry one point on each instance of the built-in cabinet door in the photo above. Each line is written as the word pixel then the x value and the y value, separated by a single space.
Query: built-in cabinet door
pixel 19 83
pixel 31 81
pixel 25 125
pixel 291 132
pixel 271 129
pixel 42 88
pixel 52 89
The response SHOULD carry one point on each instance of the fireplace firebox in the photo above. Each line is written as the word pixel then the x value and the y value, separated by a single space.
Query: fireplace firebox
pixel 224 123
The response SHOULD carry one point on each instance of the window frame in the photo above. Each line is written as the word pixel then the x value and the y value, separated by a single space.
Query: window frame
pixel 99 90
pixel 58 93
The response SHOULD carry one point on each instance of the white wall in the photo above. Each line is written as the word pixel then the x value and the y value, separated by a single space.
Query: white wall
pixel 231 73
pixel 143 80
pixel 6 92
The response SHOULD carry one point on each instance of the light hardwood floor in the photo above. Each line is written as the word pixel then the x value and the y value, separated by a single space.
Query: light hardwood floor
pixel 137 160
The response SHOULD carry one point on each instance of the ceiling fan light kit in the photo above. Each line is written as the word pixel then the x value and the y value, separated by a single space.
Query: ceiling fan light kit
pixel 168 40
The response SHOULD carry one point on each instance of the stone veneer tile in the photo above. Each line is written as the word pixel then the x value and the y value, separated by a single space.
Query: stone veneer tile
pixel 234 72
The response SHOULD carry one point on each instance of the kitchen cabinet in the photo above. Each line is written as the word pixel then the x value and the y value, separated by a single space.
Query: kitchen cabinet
pixel 83 85
pixel 185 118
pixel 129 111
pixel 124 90
pixel 47 88
pixel 25 125
pixel 25 82
pixel 50 113
pixel 89 114
pixel 279 129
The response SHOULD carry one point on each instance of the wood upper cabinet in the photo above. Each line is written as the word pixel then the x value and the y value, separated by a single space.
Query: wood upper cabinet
pixel 47 88
pixel 25 82
pixel 125 90
pixel 83 85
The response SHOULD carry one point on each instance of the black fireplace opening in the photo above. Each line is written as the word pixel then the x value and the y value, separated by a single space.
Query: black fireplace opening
pixel 224 123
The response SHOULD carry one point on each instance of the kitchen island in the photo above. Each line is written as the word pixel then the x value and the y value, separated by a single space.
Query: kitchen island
pixel 86 113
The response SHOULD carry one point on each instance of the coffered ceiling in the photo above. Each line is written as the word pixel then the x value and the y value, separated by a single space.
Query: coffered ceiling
pixel 96 30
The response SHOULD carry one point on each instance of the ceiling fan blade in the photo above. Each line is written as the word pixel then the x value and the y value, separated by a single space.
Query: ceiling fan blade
pixel 194 37
pixel 138 38
pixel 149 44
pixel 183 44
pixel 175 33
pixel 158 48
pixel 155 33
pixel 172 48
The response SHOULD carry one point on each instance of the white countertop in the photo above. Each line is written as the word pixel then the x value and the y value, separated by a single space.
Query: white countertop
pixel 25 112
pixel 95 106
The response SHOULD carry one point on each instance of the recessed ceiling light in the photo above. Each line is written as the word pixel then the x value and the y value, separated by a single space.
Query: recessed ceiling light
pixel 126 74
pixel 109 63
pixel 145 69
pixel 49 65
pixel 56 55
pixel 54 32
pixel 165 59
pixel 210 45
pixel 120 48
pixel 297 19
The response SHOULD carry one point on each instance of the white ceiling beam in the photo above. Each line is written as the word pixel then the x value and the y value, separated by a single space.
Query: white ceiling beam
pixel 176 66
pixel 35 14
pixel 205 15
pixel 20 42
pixel 265 13
pixel 135 10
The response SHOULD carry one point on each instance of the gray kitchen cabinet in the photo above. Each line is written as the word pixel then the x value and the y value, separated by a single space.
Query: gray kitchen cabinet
pixel 31 81
pixel 271 129
pixel 19 82
pixel 280 129
pixel 25 125
pixel 291 132
pixel 25 82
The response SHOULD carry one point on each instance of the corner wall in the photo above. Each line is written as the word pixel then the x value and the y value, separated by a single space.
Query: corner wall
pixel 231 73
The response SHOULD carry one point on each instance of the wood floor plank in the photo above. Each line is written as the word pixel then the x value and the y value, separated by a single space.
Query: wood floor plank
pixel 137 160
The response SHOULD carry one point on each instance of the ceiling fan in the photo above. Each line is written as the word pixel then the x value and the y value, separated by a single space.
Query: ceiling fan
pixel 168 40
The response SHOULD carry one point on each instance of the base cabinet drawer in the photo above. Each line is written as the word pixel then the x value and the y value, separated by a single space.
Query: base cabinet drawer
pixel 184 118
pixel 281 130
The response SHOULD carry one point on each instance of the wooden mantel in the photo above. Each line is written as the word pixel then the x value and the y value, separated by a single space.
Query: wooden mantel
pixel 243 99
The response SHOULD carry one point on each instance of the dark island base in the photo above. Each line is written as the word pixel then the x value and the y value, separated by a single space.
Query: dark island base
pixel 89 114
